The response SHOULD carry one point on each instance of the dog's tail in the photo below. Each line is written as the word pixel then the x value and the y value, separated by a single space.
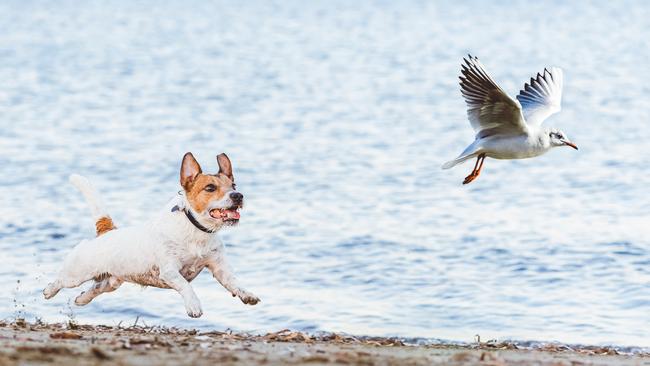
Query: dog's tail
pixel 103 221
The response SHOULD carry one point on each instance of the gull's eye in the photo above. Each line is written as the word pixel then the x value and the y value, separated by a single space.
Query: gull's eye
pixel 210 188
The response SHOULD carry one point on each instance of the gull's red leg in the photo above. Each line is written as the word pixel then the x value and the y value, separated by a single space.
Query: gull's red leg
pixel 482 157
pixel 471 177
pixel 477 169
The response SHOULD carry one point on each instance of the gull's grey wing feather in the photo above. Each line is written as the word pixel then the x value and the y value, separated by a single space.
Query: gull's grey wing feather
pixel 489 109
pixel 542 97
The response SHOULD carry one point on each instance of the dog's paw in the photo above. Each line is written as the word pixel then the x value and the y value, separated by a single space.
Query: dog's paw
pixel 51 290
pixel 247 297
pixel 193 308
pixel 82 299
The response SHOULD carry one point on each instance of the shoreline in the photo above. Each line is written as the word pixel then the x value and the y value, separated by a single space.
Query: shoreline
pixel 39 343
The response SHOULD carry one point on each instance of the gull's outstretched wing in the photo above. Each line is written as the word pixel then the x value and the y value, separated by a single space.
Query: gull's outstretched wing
pixel 542 96
pixel 490 110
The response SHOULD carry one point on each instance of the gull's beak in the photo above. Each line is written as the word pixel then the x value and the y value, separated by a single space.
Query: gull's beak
pixel 569 143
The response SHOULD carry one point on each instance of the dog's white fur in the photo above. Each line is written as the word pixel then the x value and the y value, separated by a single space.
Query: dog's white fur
pixel 167 252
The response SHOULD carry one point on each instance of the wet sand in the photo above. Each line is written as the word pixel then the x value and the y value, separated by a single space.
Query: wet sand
pixel 46 344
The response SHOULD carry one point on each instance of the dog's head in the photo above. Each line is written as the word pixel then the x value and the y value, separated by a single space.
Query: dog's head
pixel 212 196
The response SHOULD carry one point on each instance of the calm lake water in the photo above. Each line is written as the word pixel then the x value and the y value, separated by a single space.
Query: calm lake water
pixel 337 117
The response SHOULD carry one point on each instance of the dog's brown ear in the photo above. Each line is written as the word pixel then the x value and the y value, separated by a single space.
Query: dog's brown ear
pixel 190 168
pixel 225 167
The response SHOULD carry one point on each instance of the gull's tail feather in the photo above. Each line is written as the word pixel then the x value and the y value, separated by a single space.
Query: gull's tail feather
pixel 458 160
pixel 103 221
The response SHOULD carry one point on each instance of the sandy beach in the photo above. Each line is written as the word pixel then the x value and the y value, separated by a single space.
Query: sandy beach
pixel 39 344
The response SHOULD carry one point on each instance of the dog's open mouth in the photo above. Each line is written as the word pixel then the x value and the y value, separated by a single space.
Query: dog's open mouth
pixel 225 214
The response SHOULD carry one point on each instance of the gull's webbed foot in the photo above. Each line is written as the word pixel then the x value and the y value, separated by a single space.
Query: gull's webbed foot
pixel 470 178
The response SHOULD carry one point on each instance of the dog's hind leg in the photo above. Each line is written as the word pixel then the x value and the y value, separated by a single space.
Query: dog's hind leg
pixel 63 282
pixel 108 284
pixel 52 289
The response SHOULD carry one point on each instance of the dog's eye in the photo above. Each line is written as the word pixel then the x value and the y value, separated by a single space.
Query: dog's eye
pixel 234 186
pixel 210 188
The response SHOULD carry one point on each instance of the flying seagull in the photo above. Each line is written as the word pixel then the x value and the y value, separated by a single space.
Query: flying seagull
pixel 507 128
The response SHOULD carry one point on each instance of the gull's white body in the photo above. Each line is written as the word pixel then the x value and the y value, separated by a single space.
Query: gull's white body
pixel 509 147
pixel 508 128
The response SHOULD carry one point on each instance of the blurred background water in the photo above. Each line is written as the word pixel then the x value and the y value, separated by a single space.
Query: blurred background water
pixel 337 116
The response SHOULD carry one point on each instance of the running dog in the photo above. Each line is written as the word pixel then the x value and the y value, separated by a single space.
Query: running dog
pixel 170 250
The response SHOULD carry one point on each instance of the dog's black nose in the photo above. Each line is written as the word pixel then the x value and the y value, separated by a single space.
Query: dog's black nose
pixel 236 197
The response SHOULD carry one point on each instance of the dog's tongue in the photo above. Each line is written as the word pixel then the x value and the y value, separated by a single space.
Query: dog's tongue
pixel 232 214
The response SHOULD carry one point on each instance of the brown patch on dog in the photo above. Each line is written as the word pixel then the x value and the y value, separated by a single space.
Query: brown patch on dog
pixel 199 198
pixel 194 182
pixel 101 277
pixel 103 225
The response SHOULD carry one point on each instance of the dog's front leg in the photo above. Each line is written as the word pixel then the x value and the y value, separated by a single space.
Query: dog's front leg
pixel 224 274
pixel 172 277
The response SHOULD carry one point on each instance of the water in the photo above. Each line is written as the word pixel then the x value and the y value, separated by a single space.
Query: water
pixel 337 117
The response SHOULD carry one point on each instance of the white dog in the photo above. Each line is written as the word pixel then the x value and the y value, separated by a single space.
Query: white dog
pixel 167 252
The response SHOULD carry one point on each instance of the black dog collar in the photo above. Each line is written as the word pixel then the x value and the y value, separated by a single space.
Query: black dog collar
pixel 193 220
